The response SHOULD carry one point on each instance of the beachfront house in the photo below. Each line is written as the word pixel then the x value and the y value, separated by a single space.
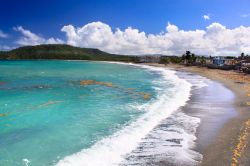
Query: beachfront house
pixel 245 65
pixel 230 61
pixel 221 61
pixel 218 60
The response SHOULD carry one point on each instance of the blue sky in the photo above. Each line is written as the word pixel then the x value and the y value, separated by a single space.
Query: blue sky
pixel 47 17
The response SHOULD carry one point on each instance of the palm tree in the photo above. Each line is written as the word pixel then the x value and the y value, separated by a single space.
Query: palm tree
pixel 242 55
pixel 193 58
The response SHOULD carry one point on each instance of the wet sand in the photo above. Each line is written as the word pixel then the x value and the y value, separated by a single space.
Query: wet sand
pixel 231 144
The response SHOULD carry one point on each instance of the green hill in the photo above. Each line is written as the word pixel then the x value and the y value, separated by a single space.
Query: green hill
pixel 62 51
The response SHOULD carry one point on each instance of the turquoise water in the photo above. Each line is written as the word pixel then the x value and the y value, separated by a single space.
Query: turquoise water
pixel 46 114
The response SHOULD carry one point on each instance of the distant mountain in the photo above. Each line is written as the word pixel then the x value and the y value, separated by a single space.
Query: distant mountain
pixel 63 51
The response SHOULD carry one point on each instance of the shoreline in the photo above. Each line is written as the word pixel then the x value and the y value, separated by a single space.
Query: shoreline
pixel 228 146
pixel 231 144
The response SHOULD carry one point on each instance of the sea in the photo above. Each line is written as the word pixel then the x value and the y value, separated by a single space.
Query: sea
pixel 83 113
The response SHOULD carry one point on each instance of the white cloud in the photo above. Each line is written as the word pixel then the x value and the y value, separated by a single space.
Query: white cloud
pixel 245 15
pixel 29 38
pixel 171 28
pixel 206 17
pixel 3 35
pixel 216 39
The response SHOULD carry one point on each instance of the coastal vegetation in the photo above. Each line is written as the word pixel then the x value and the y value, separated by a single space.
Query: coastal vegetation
pixel 64 52
pixel 188 58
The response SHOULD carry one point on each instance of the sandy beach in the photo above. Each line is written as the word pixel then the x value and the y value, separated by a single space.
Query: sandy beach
pixel 231 144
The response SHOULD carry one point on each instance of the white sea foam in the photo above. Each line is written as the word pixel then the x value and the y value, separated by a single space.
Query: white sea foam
pixel 170 142
pixel 26 162
pixel 113 150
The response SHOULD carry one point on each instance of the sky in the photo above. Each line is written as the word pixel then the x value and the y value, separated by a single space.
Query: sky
pixel 207 27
